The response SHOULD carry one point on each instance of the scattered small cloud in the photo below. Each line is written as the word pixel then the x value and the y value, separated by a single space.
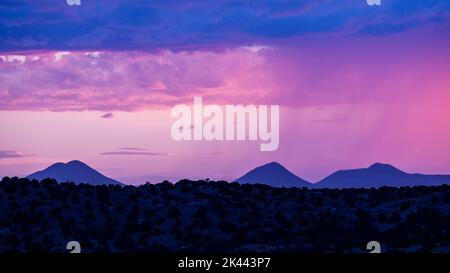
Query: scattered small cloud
pixel 59 55
pixel 256 48
pixel 13 58
pixel 133 149
pixel 157 85
pixel 327 120
pixel 217 153
pixel 134 153
pixel 108 115
pixel 94 54
pixel 10 154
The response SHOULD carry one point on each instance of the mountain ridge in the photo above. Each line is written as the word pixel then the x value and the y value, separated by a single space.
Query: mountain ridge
pixel 378 175
pixel 273 174
pixel 73 171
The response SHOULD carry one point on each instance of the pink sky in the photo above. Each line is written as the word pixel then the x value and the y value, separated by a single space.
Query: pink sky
pixel 346 102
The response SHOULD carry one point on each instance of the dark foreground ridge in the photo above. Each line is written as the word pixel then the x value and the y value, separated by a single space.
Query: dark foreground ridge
pixel 203 216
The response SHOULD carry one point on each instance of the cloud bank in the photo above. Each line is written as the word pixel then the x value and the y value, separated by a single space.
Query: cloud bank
pixel 201 25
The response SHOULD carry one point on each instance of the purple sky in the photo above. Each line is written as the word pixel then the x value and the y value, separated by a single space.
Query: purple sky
pixel 356 84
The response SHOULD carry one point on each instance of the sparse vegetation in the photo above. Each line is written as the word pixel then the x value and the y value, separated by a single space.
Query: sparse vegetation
pixel 205 216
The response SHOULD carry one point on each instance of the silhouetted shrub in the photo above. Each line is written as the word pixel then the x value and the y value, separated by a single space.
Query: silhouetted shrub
pixel 227 227
pixel 405 205
pixel 395 218
pixel 201 213
pixel 382 218
pixel 173 212
pixel 120 208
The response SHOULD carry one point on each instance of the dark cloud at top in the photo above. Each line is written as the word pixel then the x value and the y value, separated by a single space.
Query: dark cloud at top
pixel 194 25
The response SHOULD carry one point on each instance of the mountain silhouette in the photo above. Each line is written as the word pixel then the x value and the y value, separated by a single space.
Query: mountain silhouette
pixel 378 175
pixel 273 174
pixel 73 171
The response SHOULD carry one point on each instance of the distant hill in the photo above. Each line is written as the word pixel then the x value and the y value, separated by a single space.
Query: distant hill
pixel 273 174
pixel 73 171
pixel 378 175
